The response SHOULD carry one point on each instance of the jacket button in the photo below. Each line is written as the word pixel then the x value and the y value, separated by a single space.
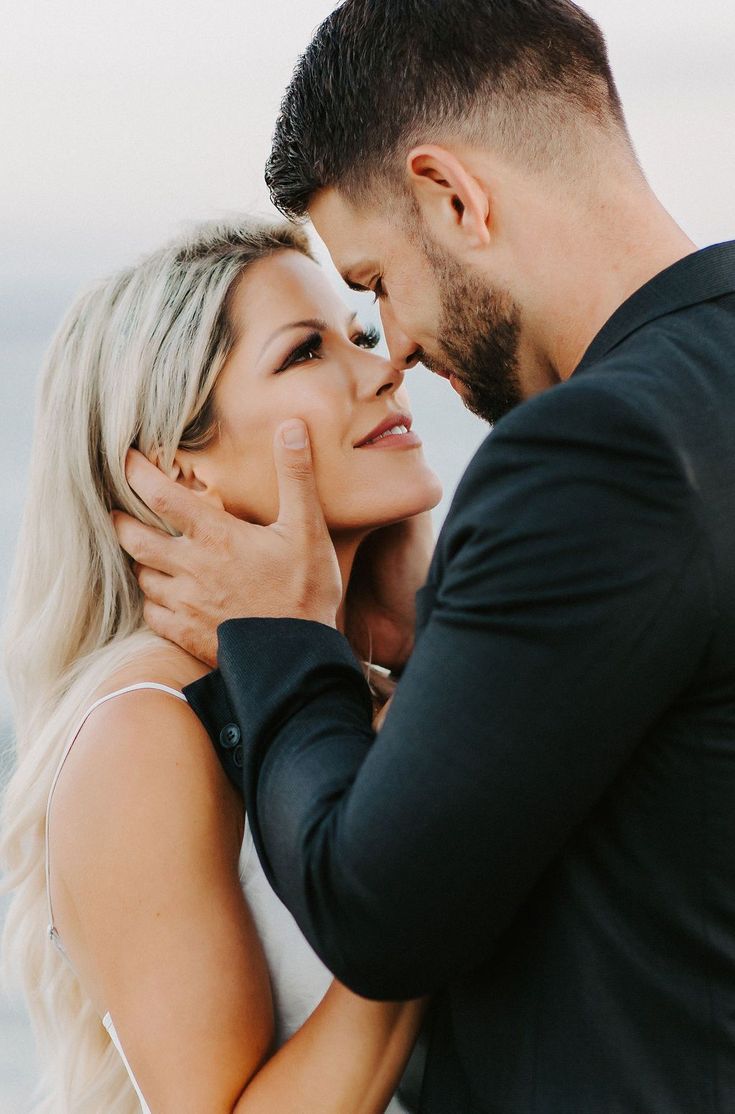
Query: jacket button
pixel 237 756
pixel 229 736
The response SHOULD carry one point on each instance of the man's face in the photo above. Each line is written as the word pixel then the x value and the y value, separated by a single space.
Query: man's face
pixel 434 310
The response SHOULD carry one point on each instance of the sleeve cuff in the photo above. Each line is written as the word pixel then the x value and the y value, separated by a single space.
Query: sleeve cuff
pixel 208 698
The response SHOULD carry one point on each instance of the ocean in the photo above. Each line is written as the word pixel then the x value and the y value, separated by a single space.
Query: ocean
pixel 29 310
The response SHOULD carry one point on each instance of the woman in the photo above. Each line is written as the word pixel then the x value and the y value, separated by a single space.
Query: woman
pixel 120 830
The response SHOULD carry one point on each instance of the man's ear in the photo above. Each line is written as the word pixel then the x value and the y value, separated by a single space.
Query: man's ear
pixel 455 205
pixel 189 469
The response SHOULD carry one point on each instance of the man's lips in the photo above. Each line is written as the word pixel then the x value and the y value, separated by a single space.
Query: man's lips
pixel 443 372
pixel 393 421
pixel 460 385
pixel 431 365
pixel 456 380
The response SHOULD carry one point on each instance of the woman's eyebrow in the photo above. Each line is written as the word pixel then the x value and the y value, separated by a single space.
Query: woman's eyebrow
pixel 315 323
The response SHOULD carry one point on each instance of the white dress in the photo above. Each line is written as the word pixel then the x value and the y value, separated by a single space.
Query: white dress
pixel 299 979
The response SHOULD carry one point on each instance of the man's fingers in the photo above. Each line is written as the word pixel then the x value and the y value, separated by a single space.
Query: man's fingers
pixel 161 620
pixel 299 506
pixel 157 587
pixel 147 545
pixel 167 499
pixel 169 625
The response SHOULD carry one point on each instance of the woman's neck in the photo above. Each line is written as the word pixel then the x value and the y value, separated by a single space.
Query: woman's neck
pixel 346 547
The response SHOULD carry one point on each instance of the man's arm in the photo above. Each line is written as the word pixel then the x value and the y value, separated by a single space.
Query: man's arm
pixel 574 605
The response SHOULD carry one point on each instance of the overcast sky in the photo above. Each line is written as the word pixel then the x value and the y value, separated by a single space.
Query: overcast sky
pixel 119 119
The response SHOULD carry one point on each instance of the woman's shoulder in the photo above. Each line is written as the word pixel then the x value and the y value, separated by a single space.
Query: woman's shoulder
pixel 157 662
pixel 135 722
pixel 142 751
pixel 143 820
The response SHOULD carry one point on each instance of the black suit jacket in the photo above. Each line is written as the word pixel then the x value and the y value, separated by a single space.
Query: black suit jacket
pixel 543 834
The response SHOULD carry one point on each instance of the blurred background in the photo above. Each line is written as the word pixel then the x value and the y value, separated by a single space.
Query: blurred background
pixel 121 122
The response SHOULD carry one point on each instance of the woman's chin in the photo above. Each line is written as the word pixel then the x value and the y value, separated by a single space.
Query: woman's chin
pixel 429 496
pixel 407 504
pixel 388 510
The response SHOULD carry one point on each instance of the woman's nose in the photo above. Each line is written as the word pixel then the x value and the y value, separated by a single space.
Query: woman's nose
pixel 377 376
pixel 403 351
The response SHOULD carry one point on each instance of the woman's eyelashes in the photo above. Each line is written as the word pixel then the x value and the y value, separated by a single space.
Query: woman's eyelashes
pixel 368 338
pixel 312 348
pixel 307 350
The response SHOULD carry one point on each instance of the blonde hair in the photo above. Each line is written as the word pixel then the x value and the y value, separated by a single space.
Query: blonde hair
pixel 134 362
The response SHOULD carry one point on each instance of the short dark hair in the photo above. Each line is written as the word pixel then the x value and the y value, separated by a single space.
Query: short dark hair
pixel 380 76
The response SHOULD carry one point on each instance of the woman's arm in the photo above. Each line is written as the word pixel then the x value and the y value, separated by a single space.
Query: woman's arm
pixel 145 837
pixel 384 1037
pixel 346 1059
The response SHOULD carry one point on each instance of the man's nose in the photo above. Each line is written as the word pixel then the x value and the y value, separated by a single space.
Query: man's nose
pixel 403 351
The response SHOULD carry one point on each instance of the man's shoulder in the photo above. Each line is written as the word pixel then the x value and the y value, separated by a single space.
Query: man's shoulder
pixel 586 423
pixel 659 404
pixel 650 392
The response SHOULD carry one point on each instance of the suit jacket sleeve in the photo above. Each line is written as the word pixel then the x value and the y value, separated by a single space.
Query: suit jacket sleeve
pixel 570 601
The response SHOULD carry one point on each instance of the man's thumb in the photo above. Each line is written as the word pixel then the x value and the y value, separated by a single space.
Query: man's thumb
pixel 298 500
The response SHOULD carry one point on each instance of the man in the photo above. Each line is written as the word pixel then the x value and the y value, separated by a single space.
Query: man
pixel 542 835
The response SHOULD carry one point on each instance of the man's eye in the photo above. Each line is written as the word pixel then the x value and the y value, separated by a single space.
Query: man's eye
pixel 368 338
pixel 308 350
pixel 379 290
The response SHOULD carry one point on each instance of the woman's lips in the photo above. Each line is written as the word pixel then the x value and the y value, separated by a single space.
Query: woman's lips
pixel 408 440
pixel 394 423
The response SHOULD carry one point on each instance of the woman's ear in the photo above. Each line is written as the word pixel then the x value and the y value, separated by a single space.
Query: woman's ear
pixel 190 470
pixel 454 204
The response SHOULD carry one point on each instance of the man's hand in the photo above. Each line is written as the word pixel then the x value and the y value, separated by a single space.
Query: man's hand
pixel 380 613
pixel 223 568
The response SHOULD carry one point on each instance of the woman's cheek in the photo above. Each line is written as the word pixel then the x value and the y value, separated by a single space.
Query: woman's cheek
pixel 328 473
pixel 250 488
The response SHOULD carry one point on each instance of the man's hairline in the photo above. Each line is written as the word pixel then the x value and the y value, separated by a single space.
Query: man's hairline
pixel 387 171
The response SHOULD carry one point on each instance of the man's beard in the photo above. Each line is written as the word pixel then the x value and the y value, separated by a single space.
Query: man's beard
pixel 478 337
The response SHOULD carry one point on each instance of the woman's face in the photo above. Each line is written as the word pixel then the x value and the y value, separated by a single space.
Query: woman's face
pixel 301 354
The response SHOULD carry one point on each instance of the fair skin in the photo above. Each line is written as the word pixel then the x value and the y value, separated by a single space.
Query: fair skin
pixel 570 249
pixel 347 394
pixel 569 257
pixel 145 834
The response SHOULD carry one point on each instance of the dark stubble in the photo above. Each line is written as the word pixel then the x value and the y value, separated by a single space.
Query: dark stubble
pixel 478 338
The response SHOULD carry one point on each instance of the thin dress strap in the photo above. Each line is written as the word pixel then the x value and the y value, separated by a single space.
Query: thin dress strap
pixel 53 934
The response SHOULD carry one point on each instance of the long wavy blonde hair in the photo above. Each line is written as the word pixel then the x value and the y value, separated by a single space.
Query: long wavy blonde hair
pixel 134 362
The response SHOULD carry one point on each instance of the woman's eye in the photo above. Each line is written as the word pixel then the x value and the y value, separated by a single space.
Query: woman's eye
pixel 368 338
pixel 305 355
pixel 309 350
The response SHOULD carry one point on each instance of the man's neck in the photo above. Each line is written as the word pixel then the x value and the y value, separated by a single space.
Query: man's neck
pixel 635 240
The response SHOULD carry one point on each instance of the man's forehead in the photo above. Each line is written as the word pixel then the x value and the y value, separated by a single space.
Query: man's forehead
pixel 352 236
